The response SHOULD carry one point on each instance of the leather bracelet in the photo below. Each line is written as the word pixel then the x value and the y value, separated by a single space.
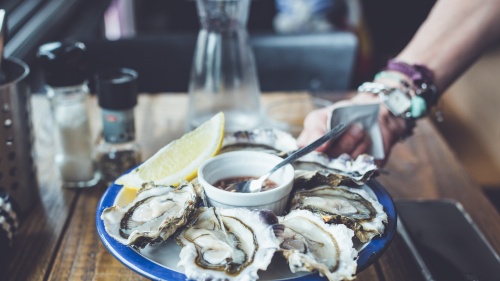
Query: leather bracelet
pixel 417 73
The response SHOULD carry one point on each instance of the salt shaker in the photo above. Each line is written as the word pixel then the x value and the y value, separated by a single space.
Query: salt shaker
pixel 118 150
pixel 66 84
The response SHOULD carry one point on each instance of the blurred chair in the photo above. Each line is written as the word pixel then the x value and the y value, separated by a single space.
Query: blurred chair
pixel 163 62
pixel 313 62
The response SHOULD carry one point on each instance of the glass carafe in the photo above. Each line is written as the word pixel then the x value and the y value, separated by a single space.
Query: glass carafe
pixel 223 74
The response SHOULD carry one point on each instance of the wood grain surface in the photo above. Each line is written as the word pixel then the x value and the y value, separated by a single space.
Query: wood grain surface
pixel 58 238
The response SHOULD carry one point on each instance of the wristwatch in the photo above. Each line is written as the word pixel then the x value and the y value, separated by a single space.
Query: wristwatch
pixel 421 77
pixel 397 100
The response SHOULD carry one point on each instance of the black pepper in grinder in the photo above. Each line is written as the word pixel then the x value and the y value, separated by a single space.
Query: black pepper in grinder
pixel 118 150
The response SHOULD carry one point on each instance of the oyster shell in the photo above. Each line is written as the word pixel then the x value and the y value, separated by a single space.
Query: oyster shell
pixel 267 140
pixel 227 244
pixel 322 194
pixel 153 216
pixel 309 244
pixel 359 170
pixel 282 143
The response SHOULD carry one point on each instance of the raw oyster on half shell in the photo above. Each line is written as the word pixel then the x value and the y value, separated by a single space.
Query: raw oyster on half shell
pixel 359 170
pixel 153 216
pixel 282 144
pixel 309 244
pixel 266 140
pixel 227 244
pixel 323 194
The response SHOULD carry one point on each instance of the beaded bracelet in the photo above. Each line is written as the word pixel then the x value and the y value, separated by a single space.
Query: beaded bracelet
pixel 418 107
pixel 407 101
pixel 417 73
pixel 421 77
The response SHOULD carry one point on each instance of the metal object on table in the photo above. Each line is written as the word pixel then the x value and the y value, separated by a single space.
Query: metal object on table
pixel 3 32
pixel 252 186
pixel 17 169
pixel 426 273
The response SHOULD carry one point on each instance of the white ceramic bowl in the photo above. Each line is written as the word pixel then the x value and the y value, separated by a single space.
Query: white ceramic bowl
pixel 246 163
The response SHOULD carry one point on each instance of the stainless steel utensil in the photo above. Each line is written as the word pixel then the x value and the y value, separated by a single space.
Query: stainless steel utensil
pixel 3 36
pixel 256 185
pixel 17 169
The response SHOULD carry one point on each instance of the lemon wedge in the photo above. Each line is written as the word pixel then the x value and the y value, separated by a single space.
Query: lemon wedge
pixel 180 159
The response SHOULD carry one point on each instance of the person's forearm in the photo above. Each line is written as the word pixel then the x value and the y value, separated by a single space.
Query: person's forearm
pixel 455 33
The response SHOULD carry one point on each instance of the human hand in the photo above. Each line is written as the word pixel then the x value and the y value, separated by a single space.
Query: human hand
pixel 355 141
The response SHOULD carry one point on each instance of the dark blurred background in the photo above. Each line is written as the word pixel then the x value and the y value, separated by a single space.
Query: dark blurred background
pixel 383 26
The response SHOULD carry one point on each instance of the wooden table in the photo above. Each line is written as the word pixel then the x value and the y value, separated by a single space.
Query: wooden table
pixel 58 239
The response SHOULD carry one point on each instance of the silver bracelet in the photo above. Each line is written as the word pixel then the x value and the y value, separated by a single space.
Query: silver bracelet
pixel 396 100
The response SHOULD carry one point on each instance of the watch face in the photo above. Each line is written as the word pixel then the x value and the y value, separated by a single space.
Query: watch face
pixel 397 101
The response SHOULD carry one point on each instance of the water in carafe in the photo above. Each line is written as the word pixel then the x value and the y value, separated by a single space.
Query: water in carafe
pixel 223 74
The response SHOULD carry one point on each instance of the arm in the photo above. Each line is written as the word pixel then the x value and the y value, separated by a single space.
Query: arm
pixel 453 36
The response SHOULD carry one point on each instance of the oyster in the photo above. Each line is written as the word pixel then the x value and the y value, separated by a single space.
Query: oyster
pixel 267 140
pixel 154 215
pixel 322 194
pixel 309 244
pixel 281 143
pixel 227 244
pixel 359 170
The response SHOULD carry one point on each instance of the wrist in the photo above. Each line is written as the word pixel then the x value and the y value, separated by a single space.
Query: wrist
pixel 406 90
pixel 392 79
pixel 420 79
pixel 396 110
pixel 398 128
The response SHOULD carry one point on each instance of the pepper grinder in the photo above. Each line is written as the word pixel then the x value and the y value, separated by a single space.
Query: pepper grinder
pixel 66 84
pixel 118 150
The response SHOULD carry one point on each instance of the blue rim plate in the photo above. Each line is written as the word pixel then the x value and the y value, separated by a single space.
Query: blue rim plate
pixel 155 271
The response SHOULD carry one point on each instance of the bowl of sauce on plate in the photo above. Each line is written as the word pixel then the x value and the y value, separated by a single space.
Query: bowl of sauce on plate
pixel 219 172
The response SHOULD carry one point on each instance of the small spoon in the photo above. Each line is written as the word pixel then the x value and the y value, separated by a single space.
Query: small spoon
pixel 256 185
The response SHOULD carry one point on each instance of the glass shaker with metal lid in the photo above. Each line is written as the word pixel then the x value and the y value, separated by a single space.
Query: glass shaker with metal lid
pixel 66 84
pixel 118 150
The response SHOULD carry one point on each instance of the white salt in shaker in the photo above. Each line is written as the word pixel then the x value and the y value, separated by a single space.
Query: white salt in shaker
pixel 67 90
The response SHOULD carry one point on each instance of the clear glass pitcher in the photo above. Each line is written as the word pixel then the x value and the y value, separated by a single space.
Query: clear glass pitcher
pixel 223 74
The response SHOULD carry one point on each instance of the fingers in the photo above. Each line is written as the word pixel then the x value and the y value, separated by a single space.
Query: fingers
pixel 314 128
pixel 353 142
pixel 391 127
pixel 363 146
pixel 306 137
